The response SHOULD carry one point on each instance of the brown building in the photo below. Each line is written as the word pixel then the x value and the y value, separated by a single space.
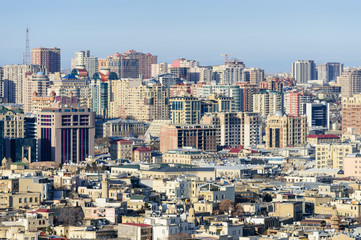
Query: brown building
pixel 49 58
pixel 285 131
pixel 246 94
pixel 200 136
pixel 351 113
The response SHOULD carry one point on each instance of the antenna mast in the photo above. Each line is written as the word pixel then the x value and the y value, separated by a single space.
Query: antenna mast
pixel 26 59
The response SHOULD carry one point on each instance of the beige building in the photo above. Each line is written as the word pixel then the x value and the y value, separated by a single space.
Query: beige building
pixel 14 120
pixel 185 155
pixel 121 149
pixel 351 113
pixel 19 200
pixel 135 231
pixel 332 155
pixel 267 102
pixel 215 193
pixel 16 74
pixel 133 99
pixel 253 75
pixel 77 86
pixel 234 129
pixel 120 128
pixel 185 110
pixel 350 81
pixel 284 131
pixel 288 209
pixel 36 84
pixel 142 154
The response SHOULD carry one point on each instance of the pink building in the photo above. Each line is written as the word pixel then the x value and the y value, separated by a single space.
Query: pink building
pixel 352 165
pixel 66 132
pixel 294 101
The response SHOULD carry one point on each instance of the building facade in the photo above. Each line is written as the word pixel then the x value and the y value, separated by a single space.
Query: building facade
pixel 200 136
pixel 304 71
pixel 66 133
pixel 48 58
pixel 285 131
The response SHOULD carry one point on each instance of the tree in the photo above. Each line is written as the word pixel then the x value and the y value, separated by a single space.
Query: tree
pixel 227 206
pixel 267 197
pixel 69 216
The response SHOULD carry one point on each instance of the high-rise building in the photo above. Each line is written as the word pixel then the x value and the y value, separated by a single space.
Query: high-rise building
pixel 304 71
pixel 285 131
pixel 145 61
pixel 246 96
pixel 189 110
pixel 16 74
pixel 7 90
pixel 13 119
pixel 267 102
pixel 329 71
pixel 234 129
pixel 83 58
pixel 200 136
pixel 229 73
pixel 294 102
pixel 350 81
pixel 185 110
pixel 351 113
pixel 49 58
pixel 223 90
pixel 35 83
pixel 78 86
pixel 66 133
pixel 123 66
pixel 135 100
pixel 318 115
pixel 160 68
pixel 200 74
pixel 253 75
pixel 100 89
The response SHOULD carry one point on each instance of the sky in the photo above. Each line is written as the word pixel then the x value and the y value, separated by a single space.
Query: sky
pixel 269 34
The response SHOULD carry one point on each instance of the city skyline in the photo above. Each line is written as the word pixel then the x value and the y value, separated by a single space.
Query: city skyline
pixel 202 30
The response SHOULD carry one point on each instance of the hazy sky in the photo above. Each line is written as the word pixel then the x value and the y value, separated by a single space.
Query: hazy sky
pixel 270 34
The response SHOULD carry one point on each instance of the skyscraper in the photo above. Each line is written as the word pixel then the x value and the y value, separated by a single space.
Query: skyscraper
pixel 329 71
pixel 304 71
pixel 66 133
pixel 49 58
pixel 351 113
pixel 267 102
pixel 83 58
pixel 294 101
pixel 350 82
pixel 36 83
pixel 16 74
pixel 145 61
pixel 318 114
pixel 285 131
pixel 253 75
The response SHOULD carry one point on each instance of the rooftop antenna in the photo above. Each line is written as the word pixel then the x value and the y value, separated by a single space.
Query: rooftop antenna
pixel 26 58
